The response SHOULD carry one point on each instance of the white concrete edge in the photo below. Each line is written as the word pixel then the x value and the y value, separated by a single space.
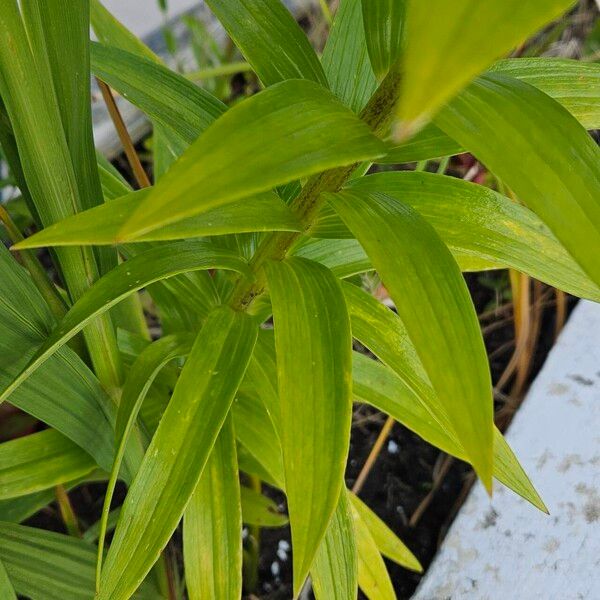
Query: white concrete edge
pixel 504 549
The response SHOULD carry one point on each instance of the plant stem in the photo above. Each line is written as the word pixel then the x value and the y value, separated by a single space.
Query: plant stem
pixel 66 510
pixel 378 115
pixel 375 451
pixel 134 160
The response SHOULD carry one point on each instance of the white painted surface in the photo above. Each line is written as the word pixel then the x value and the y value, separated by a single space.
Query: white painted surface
pixel 504 549
pixel 143 17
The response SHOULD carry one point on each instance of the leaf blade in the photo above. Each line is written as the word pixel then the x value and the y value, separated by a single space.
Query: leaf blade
pixel 438 291
pixel 206 386
pixel 316 403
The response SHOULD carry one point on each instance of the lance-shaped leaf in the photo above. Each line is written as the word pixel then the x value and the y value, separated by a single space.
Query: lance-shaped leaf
pixel 387 542
pixel 259 510
pixel 212 526
pixel 440 35
pixel 345 58
pixel 379 386
pixel 433 301
pixel 43 565
pixel 529 156
pixel 248 150
pixel 101 225
pixel 167 97
pixel 40 461
pixel 572 83
pixel 373 577
pixel 153 265
pixel 64 394
pixel 179 450
pixel 7 590
pixel 335 570
pixel 270 39
pixel 313 343
pixel 410 399
pixel 139 380
pixel 484 229
pixel 384 20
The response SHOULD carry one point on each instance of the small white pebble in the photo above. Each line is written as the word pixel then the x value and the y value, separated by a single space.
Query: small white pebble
pixel 284 545
pixel 275 568
pixel 392 447
pixel 282 554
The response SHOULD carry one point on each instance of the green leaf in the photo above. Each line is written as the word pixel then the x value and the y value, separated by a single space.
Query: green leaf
pixel 40 461
pixel 247 150
pixel 64 393
pixel 259 510
pixel 313 343
pixel 572 83
pixel 386 540
pixel 35 117
pixel 6 588
pixel 43 565
pixel 345 58
pixel 484 229
pixel 343 257
pixel 254 429
pixel 212 526
pixel 433 302
pixel 468 34
pixel 168 98
pixel 270 39
pixel 145 268
pixel 384 20
pixel 373 577
pixel 335 570
pixel 430 142
pixel 379 386
pixel 101 225
pixel 529 156
pixel 111 32
pixel 179 450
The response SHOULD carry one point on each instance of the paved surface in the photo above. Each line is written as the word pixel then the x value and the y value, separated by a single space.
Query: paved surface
pixel 504 549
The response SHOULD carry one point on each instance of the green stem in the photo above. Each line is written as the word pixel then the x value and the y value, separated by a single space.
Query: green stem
pixel 66 510
pixel 378 115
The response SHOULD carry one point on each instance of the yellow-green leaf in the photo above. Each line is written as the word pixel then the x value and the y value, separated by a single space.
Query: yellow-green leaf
pixel 313 343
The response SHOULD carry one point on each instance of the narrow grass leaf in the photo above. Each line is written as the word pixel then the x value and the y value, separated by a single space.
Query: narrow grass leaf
pixel 40 461
pixel 373 577
pixel 7 591
pixel 379 386
pixel 384 20
pixel 260 511
pixel 529 156
pixel 335 570
pixel 43 565
pixel 313 343
pixel 212 526
pixel 270 39
pixel 387 542
pixel 145 268
pixel 101 225
pixel 167 97
pixel 433 301
pixel 484 229
pixel 247 151
pixel 179 450
pixel 433 47
pixel 345 58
